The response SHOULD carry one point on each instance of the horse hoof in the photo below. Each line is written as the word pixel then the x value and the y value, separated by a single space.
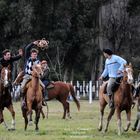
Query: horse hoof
pixel 126 129
pixel 133 129
pixel 30 123
pixel 100 129
pixel 138 131
pixel 12 129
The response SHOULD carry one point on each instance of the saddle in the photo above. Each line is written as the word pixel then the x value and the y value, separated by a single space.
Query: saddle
pixel 50 85
pixel 114 87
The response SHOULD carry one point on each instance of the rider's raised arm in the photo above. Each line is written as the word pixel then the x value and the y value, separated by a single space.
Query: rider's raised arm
pixel 121 61
pixel 27 49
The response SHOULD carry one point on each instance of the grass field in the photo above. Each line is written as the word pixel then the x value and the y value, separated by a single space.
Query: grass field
pixel 82 126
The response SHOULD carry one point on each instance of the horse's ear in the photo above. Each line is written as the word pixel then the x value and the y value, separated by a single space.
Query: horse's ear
pixel 9 67
pixel 124 65
pixel 130 64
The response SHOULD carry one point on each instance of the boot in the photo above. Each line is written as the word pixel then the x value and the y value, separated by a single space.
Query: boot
pixel 45 95
pixel 111 103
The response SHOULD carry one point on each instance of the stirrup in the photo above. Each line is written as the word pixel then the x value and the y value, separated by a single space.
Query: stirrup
pixel 111 104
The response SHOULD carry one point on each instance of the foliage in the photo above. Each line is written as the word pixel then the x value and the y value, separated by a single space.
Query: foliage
pixel 72 27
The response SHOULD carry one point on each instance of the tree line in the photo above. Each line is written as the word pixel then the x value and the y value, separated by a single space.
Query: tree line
pixel 75 29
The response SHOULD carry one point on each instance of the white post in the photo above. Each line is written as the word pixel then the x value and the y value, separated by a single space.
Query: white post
pixel 90 92
pixel 74 90
pixel 84 94
pixel 78 88
pixel 97 89
pixel 94 91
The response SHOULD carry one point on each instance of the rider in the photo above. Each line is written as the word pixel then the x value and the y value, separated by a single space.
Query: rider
pixel 28 69
pixel 7 59
pixel 45 77
pixel 114 66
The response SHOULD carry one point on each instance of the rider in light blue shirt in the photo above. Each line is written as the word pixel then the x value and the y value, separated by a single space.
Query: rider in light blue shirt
pixel 114 66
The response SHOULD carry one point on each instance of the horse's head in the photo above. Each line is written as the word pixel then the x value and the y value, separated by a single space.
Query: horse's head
pixel 6 76
pixel 128 74
pixel 37 70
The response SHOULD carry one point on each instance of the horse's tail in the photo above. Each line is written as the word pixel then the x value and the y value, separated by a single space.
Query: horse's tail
pixel 74 97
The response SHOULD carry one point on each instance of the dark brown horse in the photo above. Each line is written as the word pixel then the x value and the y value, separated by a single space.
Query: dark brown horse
pixel 122 101
pixel 5 96
pixel 33 97
pixel 61 92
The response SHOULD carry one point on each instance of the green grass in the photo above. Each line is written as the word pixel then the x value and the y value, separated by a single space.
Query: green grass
pixel 82 126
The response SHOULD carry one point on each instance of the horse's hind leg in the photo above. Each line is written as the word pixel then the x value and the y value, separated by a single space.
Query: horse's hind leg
pixel 11 109
pixel 102 107
pixel 128 114
pixel 119 123
pixel 68 110
pixel 109 118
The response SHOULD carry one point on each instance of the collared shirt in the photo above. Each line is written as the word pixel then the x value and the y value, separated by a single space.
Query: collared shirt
pixel 113 65
pixel 29 65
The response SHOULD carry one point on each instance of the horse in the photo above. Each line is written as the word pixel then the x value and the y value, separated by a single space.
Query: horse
pixel 61 91
pixel 122 101
pixel 5 96
pixel 136 126
pixel 33 97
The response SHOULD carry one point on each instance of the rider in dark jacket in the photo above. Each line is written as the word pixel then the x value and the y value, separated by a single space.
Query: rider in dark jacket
pixel 45 77
pixel 7 59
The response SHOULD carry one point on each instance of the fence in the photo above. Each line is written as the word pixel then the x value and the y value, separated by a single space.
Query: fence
pixel 85 90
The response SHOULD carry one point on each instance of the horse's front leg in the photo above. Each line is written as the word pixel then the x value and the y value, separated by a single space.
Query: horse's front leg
pixel 24 113
pixel 119 123
pixel 1 116
pixel 30 119
pixel 37 111
pixel 3 121
pixel 11 109
pixel 102 107
pixel 109 118
pixel 128 114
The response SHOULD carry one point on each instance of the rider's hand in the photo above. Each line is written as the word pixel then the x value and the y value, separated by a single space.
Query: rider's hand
pixel 20 52
pixel 36 42
pixel 101 78
pixel 119 72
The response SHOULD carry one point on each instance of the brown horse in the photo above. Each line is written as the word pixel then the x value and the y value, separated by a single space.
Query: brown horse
pixel 61 91
pixel 33 97
pixel 122 101
pixel 5 96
